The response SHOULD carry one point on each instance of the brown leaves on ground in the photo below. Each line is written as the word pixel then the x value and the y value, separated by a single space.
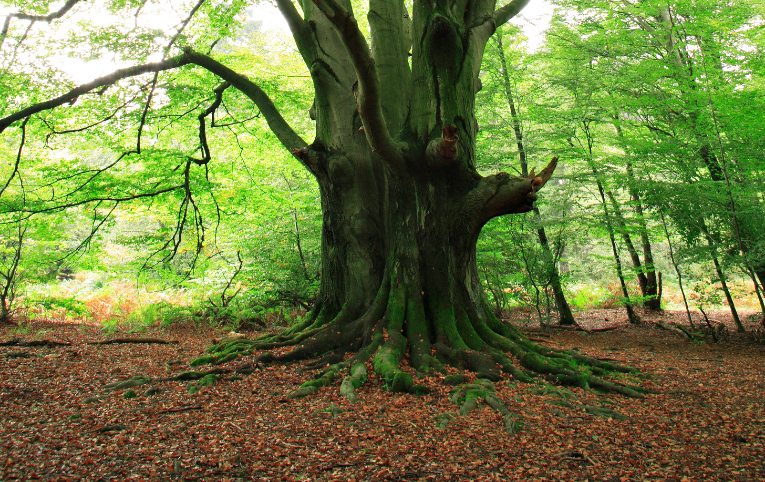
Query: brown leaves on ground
pixel 57 421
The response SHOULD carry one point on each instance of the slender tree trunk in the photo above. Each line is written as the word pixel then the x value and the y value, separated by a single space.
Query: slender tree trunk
pixel 565 315
pixel 721 276
pixel 636 263
pixel 677 269
pixel 646 270
pixel 631 315
pixel 4 313
pixel 299 244
pixel 757 292
pixel 11 274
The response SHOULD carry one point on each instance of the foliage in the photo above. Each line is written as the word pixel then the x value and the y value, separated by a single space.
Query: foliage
pixel 676 125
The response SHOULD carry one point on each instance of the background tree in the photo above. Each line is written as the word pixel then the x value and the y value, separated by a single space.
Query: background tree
pixel 498 65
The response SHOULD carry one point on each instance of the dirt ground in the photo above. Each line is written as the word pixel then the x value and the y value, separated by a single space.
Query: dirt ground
pixel 706 420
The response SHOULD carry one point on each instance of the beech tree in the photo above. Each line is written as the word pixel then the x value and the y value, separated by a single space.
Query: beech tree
pixel 403 203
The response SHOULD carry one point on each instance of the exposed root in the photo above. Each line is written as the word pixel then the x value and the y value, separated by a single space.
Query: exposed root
pixel 185 408
pixel 400 326
pixel 206 381
pixel 508 366
pixel 387 361
pixel 468 396
pixel 193 375
pixel 312 386
pixel 456 379
pixel 225 351
pixel 329 359
pixel 692 335
pixel 34 343
pixel 354 381
pixel 125 341
pixel 496 351
pixel 357 376
pixel 132 382
pixel 481 363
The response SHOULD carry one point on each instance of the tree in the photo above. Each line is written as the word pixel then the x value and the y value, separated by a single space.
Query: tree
pixel 565 316
pixel 403 203
pixel 10 257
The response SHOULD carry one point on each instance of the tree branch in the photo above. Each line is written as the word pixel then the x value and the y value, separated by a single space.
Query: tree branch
pixel 389 20
pixel 501 194
pixel 35 18
pixel 286 135
pixel 368 91
pixel 18 156
pixel 486 25
pixel 276 122
pixel 299 28
pixel 504 14
pixel 115 199
pixel 104 81
pixel 210 111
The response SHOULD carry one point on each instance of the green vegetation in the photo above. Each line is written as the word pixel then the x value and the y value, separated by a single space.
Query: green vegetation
pixel 346 193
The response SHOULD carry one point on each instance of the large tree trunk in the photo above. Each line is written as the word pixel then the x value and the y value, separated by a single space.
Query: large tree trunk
pixel 404 204
pixel 399 278
pixel 399 257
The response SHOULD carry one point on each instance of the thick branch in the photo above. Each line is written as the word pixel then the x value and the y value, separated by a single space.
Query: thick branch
pixel 299 28
pixel 104 81
pixel 391 31
pixel 504 14
pixel 501 194
pixel 210 111
pixel 368 90
pixel 276 122
pixel 443 150
pixel 488 24
pixel 286 135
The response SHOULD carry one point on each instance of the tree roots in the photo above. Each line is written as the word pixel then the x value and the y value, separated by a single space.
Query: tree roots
pixel 468 396
pixel 399 342
pixel 478 344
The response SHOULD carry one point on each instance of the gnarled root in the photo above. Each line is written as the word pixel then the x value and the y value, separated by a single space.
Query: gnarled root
pixel 400 326
pixel 467 396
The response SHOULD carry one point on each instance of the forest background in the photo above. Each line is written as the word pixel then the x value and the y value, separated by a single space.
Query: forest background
pixel 657 202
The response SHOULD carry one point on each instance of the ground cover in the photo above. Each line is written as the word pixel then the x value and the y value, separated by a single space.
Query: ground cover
pixel 61 420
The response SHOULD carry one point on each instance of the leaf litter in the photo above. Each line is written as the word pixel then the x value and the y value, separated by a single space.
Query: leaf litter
pixel 81 410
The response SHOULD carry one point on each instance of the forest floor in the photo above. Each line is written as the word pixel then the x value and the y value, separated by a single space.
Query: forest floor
pixel 57 421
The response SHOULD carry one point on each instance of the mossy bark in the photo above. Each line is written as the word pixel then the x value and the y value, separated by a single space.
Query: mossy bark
pixel 403 203
pixel 400 287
